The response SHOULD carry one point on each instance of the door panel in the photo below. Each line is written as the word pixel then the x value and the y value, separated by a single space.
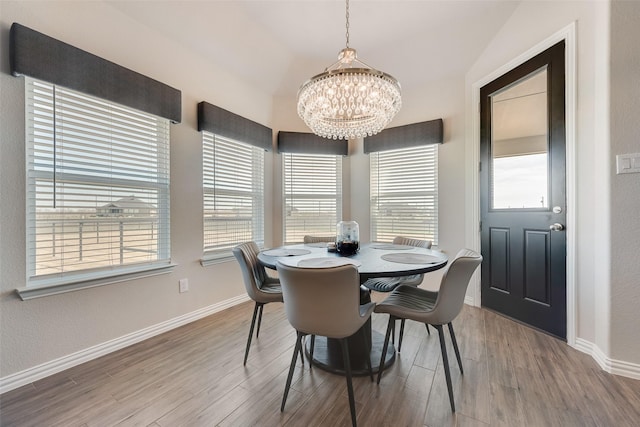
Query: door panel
pixel 499 245
pixel 536 266
pixel 522 184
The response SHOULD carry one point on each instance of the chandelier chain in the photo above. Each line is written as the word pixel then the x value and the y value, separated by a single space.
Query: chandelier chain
pixel 347 16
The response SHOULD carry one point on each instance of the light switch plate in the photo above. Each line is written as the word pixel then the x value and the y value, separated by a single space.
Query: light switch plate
pixel 628 163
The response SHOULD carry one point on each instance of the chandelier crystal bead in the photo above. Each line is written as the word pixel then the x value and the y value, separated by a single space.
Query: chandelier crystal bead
pixel 349 99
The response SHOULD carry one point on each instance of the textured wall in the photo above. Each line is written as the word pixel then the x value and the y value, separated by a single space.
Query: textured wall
pixel 625 189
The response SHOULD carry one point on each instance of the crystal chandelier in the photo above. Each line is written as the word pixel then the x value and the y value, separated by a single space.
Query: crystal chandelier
pixel 349 99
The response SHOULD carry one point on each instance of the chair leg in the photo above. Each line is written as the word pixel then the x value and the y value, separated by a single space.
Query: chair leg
pixel 428 330
pixel 253 322
pixel 291 369
pixel 455 347
pixel 302 354
pixel 365 341
pixel 259 320
pixel 445 362
pixel 393 335
pixel 311 348
pixel 391 325
pixel 401 335
pixel 347 366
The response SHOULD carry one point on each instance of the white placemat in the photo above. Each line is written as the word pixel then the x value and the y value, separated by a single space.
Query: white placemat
pixel 286 252
pixel 390 246
pixel 322 262
pixel 317 244
pixel 409 258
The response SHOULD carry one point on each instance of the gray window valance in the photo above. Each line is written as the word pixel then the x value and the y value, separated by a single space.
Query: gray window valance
pixel 230 125
pixel 422 133
pixel 42 57
pixel 309 143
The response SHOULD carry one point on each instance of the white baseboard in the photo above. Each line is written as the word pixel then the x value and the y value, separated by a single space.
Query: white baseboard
pixel 13 381
pixel 615 367
pixel 30 375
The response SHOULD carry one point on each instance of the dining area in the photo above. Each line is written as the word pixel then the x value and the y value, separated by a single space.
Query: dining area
pixel 326 283
pixel 435 377
pixel 344 308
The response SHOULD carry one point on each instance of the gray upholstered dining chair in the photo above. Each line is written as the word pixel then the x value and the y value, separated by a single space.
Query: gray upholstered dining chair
pixel 319 239
pixel 260 287
pixel 325 302
pixel 433 308
pixel 388 284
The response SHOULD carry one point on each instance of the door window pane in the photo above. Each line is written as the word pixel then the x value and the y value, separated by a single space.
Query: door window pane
pixel 519 146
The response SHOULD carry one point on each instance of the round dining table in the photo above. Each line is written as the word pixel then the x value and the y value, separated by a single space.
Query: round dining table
pixel 372 260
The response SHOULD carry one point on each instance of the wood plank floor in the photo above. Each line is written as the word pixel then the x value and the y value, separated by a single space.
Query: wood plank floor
pixel 193 376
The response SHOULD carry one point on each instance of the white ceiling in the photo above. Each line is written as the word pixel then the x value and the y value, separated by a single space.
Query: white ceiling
pixel 277 44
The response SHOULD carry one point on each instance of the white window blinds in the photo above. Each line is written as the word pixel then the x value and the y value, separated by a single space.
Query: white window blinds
pixel 97 187
pixel 233 180
pixel 312 195
pixel 404 193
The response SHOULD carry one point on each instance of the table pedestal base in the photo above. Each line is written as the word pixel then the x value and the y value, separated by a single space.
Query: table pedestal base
pixel 327 354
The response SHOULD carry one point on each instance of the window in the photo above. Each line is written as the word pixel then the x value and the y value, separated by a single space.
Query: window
pixel 404 193
pixel 233 179
pixel 97 188
pixel 312 195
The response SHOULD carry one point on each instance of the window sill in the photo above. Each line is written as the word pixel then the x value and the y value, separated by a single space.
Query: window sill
pixel 212 259
pixel 46 288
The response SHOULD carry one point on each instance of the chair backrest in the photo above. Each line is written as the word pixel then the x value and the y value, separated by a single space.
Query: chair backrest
pixel 401 240
pixel 319 239
pixel 323 301
pixel 253 274
pixel 453 286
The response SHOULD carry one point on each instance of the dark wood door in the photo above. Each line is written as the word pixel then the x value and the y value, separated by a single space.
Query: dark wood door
pixel 522 184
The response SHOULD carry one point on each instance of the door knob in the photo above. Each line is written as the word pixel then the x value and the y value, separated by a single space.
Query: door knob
pixel 556 227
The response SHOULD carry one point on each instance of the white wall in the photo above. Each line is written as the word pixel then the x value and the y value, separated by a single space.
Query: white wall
pixel 625 189
pixel 40 330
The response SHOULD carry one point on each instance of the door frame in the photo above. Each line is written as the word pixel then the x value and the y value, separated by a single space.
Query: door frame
pixel 472 157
